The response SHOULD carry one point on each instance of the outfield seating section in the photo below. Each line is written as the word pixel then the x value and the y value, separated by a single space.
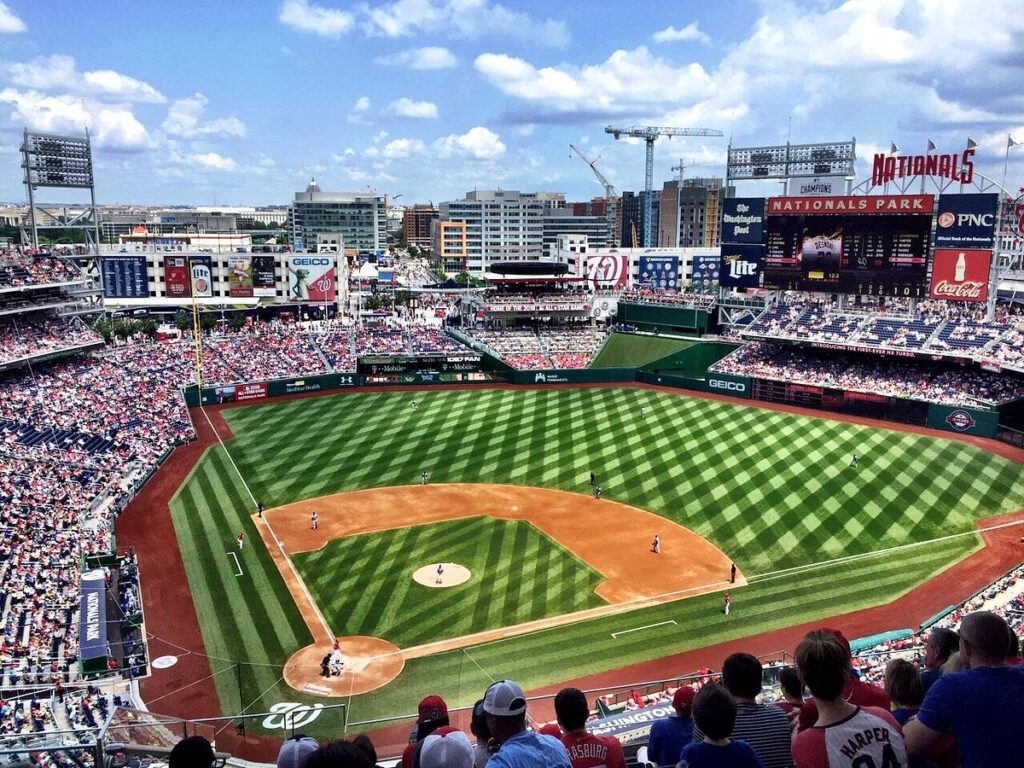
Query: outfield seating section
pixel 25 269
pixel 25 338
pixel 564 347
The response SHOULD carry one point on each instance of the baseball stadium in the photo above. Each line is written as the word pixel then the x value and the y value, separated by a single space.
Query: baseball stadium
pixel 611 470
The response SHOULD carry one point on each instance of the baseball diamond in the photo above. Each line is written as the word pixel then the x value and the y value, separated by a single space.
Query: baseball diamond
pixel 772 490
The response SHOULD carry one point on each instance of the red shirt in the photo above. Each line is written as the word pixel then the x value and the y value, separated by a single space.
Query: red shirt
pixel 589 751
pixel 868 737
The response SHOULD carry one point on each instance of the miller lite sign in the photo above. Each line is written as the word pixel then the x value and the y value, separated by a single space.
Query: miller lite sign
pixel 960 274
pixel 742 265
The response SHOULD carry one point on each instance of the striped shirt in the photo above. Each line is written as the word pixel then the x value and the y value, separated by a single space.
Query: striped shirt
pixel 764 727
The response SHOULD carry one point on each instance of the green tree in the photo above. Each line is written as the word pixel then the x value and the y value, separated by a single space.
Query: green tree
pixel 123 327
pixel 236 322
pixel 102 326
pixel 183 321
pixel 259 225
pixel 207 321
pixel 148 326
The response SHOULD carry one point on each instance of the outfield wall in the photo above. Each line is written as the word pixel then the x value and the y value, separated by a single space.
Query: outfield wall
pixel 664 318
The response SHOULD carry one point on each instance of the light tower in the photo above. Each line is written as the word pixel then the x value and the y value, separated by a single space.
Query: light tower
pixel 649 133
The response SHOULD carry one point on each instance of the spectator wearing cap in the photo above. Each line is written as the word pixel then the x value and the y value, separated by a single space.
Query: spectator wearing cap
pixel 586 750
pixel 982 705
pixel 517 747
pixel 447 747
pixel 294 751
pixel 940 644
pixel 338 754
pixel 763 726
pixel 478 727
pixel 433 714
pixel 191 752
pixel 714 710
pixel 670 734
pixel 844 733
pixel 854 691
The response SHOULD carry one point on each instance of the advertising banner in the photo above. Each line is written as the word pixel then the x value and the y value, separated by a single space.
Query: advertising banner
pixel 125 277
pixel 966 421
pixel 742 265
pixel 631 725
pixel 264 275
pixel 818 186
pixel 176 277
pixel 240 277
pixel 92 623
pixel 742 219
pixel 254 391
pixel 728 384
pixel 202 274
pixel 604 307
pixel 659 272
pixel 851 204
pixel 604 270
pixel 960 274
pixel 966 221
pixel 311 277
pixel 705 269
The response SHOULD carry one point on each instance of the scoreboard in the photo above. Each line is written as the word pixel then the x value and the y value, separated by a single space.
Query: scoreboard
pixel 872 246
pixel 125 277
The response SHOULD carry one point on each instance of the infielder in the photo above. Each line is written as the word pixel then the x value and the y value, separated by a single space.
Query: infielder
pixel 656 544
pixel 314 520
pixel 440 574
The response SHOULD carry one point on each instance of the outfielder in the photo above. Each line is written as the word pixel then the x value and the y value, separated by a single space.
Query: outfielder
pixel 240 539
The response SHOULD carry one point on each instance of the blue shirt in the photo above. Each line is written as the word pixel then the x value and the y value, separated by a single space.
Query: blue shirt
pixel 668 737
pixel 530 750
pixel 736 754
pixel 983 709
pixel 929 676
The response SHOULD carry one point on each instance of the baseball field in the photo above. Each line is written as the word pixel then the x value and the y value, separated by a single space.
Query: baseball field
pixel 771 491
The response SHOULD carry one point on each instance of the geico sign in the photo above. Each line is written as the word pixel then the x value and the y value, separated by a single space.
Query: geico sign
pixel 311 262
pixel 728 386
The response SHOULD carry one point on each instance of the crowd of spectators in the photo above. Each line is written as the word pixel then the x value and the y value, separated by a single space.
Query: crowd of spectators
pixel 667 296
pixel 21 268
pixel 22 337
pixel 554 347
pixel 883 376
pixel 571 347
pixel 259 352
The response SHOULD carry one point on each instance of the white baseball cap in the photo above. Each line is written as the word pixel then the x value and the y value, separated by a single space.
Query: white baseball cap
pixel 504 699
pixel 446 747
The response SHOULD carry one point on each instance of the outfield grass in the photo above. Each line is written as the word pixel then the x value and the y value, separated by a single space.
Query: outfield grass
pixel 628 350
pixel 772 490
pixel 538 579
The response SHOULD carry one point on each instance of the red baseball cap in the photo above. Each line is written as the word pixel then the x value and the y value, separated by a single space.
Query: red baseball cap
pixel 682 700
pixel 432 709
pixel 842 641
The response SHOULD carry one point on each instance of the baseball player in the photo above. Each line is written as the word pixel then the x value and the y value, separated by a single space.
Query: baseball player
pixel 240 540
pixel 440 574
pixel 853 460
pixel 643 411
pixel 732 574
pixel 726 601
pixel 414 404
pixel 597 491
pixel 314 520
pixel 656 544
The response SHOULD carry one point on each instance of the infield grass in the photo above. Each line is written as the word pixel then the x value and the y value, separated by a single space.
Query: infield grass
pixel 772 490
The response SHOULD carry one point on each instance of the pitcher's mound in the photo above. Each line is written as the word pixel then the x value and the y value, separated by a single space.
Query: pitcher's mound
pixel 452 575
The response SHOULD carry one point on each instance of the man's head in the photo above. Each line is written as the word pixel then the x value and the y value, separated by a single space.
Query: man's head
pixel 682 701
pixel 191 752
pixel 940 644
pixel 571 709
pixel 714 711
pixel 823 663
pixel 984 639
pixel 505 707
pixel 741 675
pixel 789 679
pixel 294 751
pixel 478 723
pixel 433 713
pixel 446 747
pixel 903 683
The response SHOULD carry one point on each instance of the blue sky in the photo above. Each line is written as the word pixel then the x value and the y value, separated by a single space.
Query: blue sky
pixel 241 102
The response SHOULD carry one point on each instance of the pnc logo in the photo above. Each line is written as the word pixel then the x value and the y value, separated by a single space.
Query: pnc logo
pixel 948 219
pixel 961 421
pixel 728 386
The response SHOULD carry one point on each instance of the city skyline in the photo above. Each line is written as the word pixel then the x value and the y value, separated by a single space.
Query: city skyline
pixel 424 100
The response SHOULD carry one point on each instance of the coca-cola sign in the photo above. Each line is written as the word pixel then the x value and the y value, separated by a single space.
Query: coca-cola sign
pixel 960 274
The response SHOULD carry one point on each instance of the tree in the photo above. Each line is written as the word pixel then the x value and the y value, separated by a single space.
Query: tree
pixel 207 321
pixel 102 326
pixel 123 327
pixel 183 321
pixel 148 326
pixel 258 225
pixel 236 322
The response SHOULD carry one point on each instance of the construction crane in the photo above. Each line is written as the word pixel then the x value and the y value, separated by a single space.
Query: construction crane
pixel 649 133
pixel 609 190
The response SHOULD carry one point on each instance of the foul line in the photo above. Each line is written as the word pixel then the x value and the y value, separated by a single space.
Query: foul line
pixel 237 564
pixel 646 626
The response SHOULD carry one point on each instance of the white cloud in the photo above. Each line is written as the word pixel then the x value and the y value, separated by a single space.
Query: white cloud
pixel 431 57
pixel 400 148
pixel 404 107
pixel 113 127
pixel 213 161
pixel 303 16
pixel 478 143
pixel 58 72
pixel 183 120
pixel 690 32
pixel 362 104
pixel 9 23
pixel 626 81
pixel 469 19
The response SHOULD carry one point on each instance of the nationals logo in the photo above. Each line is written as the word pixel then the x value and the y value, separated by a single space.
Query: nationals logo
pixel 961 421
pixel 960 274
pixel 608 270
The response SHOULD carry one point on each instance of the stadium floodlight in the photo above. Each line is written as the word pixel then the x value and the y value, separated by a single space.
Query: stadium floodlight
pixel 788 161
